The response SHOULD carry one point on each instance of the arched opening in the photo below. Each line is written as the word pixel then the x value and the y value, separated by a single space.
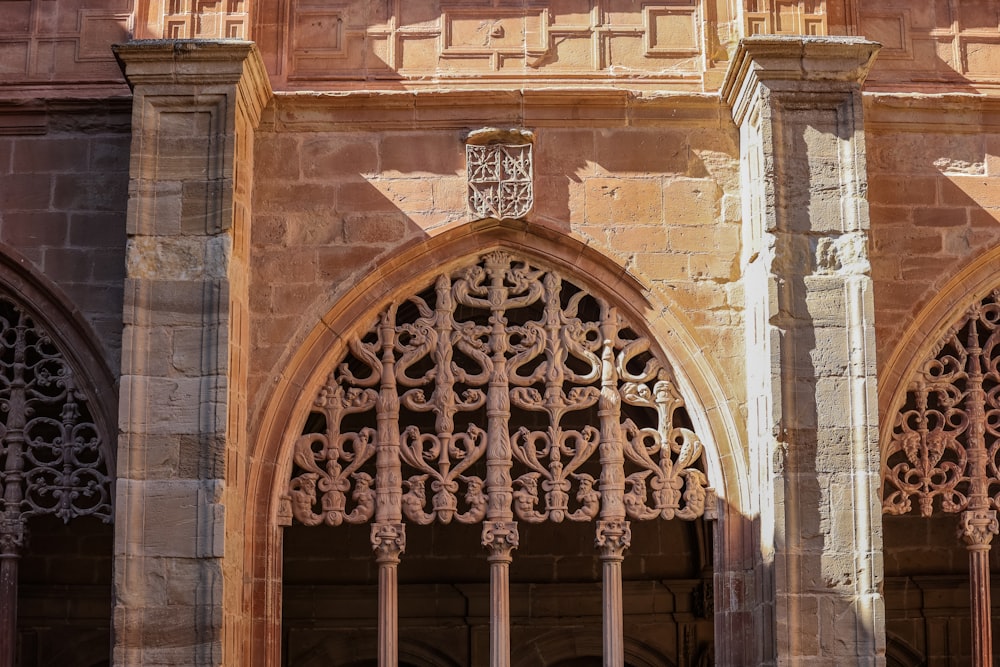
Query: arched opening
pixel 940 447
pixel 56 471
pixel 712 411
pixel 503 406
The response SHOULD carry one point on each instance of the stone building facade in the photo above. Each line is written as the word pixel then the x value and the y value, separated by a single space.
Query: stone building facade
pixel 486 332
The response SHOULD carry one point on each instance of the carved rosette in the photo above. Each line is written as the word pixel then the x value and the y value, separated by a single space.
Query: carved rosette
pixel 500 173
pixel 501 392
pixel 945 445
pixel 51 459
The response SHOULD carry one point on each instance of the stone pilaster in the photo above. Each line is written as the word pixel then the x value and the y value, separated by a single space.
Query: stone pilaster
pixel 178 550
pixel 812 417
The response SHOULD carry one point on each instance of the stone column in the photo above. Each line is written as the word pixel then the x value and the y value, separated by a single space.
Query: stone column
pixel 812 415
pixel 182 420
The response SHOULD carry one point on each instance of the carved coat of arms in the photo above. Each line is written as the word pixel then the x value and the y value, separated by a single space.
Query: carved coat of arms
pixel 500 173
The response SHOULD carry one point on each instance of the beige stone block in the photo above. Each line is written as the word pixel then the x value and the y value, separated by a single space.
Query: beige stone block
pixel 691 201
pixel 638 238
pixel 163 406
pixel 178 258
pixel 410 194
pixel 175 302
pixel 180 519
pixel 640 151
pixel 623 201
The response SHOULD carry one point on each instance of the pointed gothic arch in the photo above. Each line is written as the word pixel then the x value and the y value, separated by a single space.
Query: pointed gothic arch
pixel 940 447
pixel 57 407
pixel 413 270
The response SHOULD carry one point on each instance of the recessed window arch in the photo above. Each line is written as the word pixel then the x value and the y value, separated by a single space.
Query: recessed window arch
pixel 502 393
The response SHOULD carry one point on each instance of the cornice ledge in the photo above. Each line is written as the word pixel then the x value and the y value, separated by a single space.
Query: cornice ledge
pixel 795 63
pixel 198 62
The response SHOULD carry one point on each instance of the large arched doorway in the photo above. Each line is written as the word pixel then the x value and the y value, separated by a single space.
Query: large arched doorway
pixel 494 424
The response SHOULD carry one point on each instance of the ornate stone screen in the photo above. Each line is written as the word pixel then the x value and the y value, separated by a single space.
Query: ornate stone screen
pixel 944 454
pixel 51 460
pixel 502 392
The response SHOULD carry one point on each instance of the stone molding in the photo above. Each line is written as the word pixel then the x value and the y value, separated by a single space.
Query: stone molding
pixel 794 64
pixel 462 109
pixel 199 62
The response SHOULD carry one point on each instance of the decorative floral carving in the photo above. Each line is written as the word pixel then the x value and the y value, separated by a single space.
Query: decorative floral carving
pixel 51 461
pixel 500 391
pixel 388 541
pixel 500 538
pixel 945 446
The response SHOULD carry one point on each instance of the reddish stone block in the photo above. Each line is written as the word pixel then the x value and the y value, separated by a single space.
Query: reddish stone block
pixel 363 197
pixel 338 262
pixel 90 192
pixel 325 155
pixel 411 153
pixel 939 216
pixel 374 228
pixel 900 190
pixel 42 228
pixel 99 230
pixel 48 155
pixel 20 192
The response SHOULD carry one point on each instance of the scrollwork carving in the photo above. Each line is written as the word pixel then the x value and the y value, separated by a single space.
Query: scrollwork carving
pixel 51 460
pixel 946 438
pixel 487 397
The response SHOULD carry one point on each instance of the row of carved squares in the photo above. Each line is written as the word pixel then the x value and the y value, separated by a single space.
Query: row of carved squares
pixel 205 26
pixel 785 23
pixel 892 31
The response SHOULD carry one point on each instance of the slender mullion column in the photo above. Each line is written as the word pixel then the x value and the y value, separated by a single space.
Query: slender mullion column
pixel 500 534
pixel 978 522
pixel 388 532
pixel 12 526
pixel 613 531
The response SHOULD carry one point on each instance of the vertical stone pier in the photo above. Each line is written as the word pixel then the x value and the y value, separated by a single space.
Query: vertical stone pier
pixel 812 409
pixel 178 550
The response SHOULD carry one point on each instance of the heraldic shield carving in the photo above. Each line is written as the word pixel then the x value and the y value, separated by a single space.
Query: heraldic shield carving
pixel 500 173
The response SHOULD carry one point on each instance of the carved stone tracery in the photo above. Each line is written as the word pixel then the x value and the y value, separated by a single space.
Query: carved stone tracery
pixel 50 448
pixel 945 448
pixel 500 392
pixel 51 456
pixel 562 352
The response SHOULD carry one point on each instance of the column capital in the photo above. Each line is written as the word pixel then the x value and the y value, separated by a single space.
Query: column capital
pixel 171 66
pixel 787 63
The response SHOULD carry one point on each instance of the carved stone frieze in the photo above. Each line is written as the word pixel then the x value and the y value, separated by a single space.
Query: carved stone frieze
pixel 977 527
pixel 388 541
pixel 613 538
